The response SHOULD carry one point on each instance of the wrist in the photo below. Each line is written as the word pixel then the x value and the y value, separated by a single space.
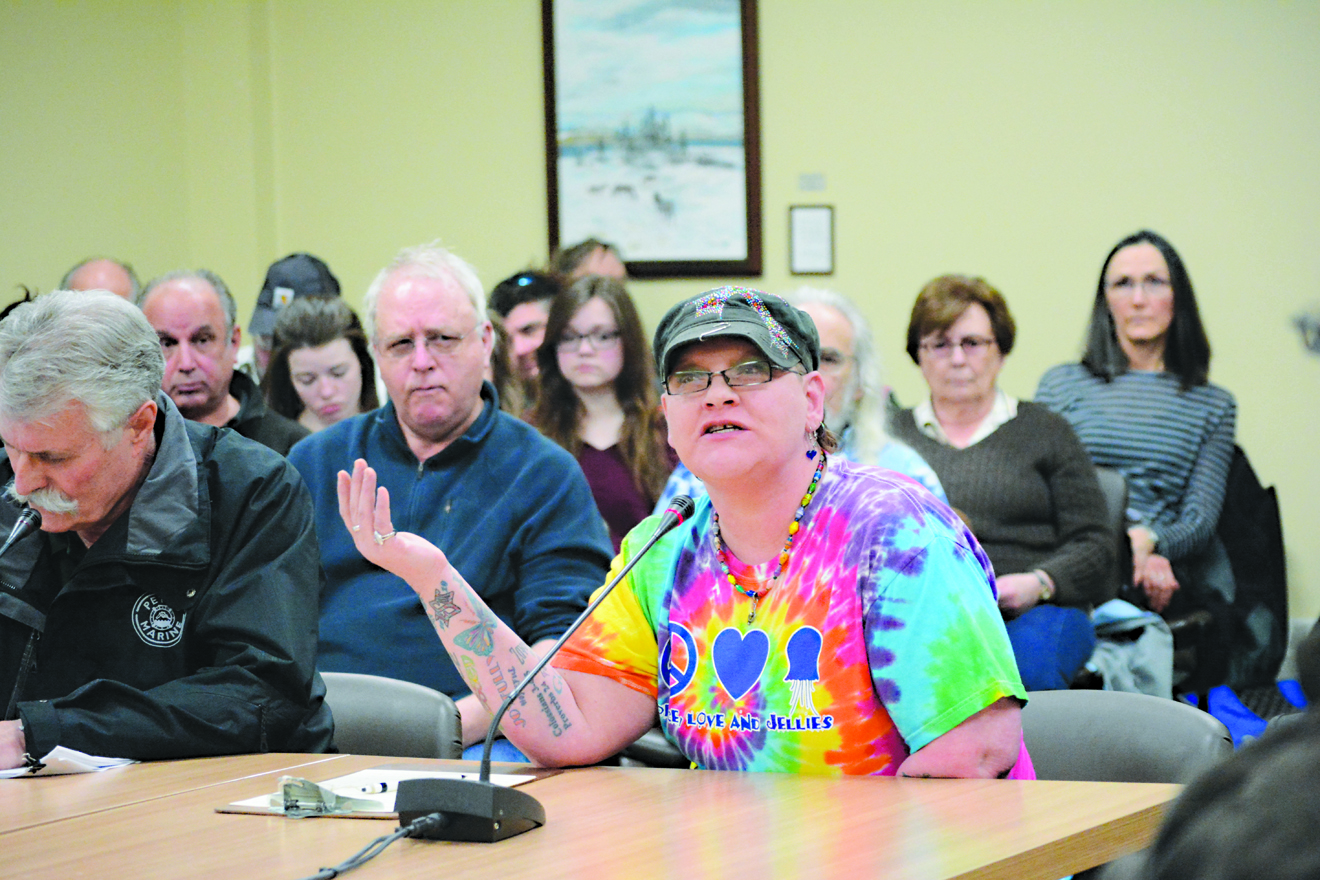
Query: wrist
pixel 1046 585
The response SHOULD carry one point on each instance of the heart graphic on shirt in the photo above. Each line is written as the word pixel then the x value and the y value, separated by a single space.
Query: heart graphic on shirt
pixel 739 659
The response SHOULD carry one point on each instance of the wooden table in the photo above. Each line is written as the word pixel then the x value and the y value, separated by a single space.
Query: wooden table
pixel 160 821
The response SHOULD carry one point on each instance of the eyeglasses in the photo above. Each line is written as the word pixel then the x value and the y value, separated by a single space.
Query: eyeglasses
pixel 438 345
pixel 833 361
pixel 971 346
pixel 737 376
pixel 597 340
pixel 1151 285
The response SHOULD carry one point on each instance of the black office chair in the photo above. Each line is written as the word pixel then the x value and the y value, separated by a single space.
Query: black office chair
pixel 384 716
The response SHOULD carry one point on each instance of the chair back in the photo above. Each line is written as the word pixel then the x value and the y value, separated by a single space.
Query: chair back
pixel 1113 736
pixel 1115 490
pixel 375 715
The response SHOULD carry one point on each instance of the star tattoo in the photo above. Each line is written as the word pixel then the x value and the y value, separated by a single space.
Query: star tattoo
pixel 443 607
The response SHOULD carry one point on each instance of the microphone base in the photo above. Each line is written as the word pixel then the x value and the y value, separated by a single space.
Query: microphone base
pixel 477 812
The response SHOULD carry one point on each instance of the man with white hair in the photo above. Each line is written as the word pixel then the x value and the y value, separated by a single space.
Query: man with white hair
pixel 855 392
pixel 512 509
pixel 167 607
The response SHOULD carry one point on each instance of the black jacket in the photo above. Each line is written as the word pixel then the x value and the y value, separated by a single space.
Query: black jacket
pixel 189 628
pixel 257 421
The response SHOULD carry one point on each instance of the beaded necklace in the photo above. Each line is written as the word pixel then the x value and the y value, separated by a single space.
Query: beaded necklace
pixel 757 595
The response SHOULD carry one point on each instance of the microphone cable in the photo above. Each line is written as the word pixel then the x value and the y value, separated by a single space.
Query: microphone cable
pixel 419 827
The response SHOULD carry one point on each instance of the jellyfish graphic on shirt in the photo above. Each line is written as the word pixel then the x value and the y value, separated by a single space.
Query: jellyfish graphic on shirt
pixel 803 653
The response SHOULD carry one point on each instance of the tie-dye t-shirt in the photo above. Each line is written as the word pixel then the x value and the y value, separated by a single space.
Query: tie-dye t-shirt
pixel 882 634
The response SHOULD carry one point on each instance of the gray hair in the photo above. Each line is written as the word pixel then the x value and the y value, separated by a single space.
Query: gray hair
pixel 135 285
pixel 226 298
pixel 94 348
pixel 433 261
pixel 866 417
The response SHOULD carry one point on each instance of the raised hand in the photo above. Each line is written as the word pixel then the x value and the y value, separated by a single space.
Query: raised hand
pixel 365 509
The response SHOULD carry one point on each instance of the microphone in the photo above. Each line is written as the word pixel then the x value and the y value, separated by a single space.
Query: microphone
pixel 479 811
pixel 29 520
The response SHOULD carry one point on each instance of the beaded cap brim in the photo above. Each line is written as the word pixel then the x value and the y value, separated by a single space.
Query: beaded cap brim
pixel 785 334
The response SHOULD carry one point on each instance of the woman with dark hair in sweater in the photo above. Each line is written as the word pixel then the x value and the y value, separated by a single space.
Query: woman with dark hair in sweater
pixel 1017 473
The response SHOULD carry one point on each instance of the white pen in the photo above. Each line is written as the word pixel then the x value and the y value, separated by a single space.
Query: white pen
pixel 377 788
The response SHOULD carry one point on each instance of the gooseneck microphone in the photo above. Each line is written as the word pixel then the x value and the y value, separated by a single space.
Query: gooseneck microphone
pixel 29 520
pixel 480 811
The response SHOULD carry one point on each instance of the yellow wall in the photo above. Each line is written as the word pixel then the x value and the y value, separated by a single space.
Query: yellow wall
pixel 1013 140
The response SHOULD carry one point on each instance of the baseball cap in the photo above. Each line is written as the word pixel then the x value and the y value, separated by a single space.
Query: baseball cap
pixel 785 334
pixel 295 275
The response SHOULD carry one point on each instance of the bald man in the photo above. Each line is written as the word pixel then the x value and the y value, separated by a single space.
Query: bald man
pixel 102 273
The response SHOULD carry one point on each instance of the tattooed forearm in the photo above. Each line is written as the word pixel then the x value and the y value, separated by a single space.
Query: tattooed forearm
pixel 550 708
pixel 442 607
pixel 474 684
pixel 502 685
pixel 479 639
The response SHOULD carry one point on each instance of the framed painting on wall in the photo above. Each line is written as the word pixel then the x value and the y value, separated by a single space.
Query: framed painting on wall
pixel 652 132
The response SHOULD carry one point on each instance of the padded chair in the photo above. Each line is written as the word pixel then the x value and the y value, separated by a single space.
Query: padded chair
pixel 1111 736
pixel 1115 490
pixel 1187 628
pixel 384 716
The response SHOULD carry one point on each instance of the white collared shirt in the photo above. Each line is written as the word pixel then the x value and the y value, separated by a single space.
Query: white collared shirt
pixel 1002 410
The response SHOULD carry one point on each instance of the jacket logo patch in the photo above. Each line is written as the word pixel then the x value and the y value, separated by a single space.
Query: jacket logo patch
pixel 156 623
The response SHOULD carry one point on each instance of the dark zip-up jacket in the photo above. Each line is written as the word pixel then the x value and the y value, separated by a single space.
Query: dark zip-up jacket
pixel 189 628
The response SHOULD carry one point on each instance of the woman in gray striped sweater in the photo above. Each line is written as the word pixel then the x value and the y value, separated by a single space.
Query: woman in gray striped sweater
pixel 1142 403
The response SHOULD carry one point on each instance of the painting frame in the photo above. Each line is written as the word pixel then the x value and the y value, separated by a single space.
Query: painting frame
pixel 811 239
pixel 723 232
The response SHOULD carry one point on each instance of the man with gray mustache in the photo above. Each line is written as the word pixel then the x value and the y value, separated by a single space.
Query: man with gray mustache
pixel 168 606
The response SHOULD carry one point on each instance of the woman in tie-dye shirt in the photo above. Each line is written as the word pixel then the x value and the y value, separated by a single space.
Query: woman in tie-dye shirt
pixel 813 615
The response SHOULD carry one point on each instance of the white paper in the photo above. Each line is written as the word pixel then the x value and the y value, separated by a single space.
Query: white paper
pixel 62 761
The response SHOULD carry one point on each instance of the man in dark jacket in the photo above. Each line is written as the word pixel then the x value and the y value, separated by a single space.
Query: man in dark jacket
pixel 195 317
pixel 168 606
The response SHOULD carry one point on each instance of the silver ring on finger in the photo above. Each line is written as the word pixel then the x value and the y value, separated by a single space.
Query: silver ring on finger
pixel 357 528
pixel 381 539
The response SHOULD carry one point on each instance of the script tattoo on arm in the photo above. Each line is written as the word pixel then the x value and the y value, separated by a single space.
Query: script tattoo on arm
pixel 550 708
pixel 520 653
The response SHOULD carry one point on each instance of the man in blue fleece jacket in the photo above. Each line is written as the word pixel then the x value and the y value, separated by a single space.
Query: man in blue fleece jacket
pixel 510 509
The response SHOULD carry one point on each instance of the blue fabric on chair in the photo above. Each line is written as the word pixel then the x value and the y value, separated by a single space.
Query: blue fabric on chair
pixel 1248 714
pixel 1051 645
pixel 500 750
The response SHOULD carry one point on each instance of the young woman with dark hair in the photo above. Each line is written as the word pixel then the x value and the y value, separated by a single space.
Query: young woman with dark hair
pixel 597 399
pixel 320 369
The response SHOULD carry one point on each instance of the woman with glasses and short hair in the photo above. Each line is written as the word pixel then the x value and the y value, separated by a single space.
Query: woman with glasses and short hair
pixel 596 398
pixel 1142 403
pixel 811 615
pixel 1017 472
